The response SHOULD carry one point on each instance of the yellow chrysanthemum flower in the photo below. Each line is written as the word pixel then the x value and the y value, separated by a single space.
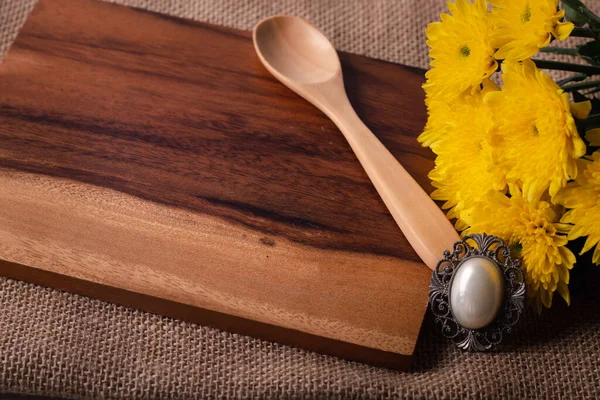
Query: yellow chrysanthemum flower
pixel 583 198
pixel 464 171
pixel 534 229
pixel 461 50
pixel 522 27
pixel 535 138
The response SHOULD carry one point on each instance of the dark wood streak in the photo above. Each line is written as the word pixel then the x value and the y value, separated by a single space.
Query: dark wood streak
pixel 150 134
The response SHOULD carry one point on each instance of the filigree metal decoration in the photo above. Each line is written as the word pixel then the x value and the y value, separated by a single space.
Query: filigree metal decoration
pixel 514 292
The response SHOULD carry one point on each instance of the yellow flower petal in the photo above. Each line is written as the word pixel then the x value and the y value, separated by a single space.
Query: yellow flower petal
pixel 562 30
pixel 593 136
pixel 489 86
pixel 583 198
pixel 582 109
pixel 596 257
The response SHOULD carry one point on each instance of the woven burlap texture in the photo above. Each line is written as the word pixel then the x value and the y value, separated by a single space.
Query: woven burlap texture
pixel 59 344
pixel 391 30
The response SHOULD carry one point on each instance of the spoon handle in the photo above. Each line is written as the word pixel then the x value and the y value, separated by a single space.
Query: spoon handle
pixel 423 223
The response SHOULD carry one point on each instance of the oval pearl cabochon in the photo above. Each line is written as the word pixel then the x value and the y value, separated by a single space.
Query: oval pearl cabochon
pixel 476 292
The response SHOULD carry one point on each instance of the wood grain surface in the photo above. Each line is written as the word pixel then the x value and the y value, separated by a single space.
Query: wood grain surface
pixel 155 163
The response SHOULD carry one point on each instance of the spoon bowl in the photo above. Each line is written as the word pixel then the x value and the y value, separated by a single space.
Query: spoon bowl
pixel 295 50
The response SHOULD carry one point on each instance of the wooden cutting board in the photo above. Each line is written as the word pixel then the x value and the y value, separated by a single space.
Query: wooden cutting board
pixel 153 162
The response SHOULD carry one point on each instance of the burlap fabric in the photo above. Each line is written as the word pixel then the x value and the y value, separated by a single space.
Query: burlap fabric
pixel 59 344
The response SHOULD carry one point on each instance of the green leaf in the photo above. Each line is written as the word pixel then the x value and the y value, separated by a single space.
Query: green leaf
pixel 590 51
pixel 574 15
pixel 578 13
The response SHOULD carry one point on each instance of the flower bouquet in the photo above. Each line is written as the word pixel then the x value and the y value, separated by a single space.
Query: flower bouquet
pixel 516 152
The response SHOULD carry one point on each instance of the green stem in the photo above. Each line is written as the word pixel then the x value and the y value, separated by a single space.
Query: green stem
pixel 572 78
pixel 593 91
pixel 562 66
pixel 560 50
pixel 581 85
pixel 585 32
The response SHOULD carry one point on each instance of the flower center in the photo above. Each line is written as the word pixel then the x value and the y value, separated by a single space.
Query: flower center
pixel 526 16
pixel 516 248
pixel 540 227
pixel 464 51
pixel 535 130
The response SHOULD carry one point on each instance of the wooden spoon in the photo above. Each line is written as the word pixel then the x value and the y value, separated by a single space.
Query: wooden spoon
pixel 302 58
